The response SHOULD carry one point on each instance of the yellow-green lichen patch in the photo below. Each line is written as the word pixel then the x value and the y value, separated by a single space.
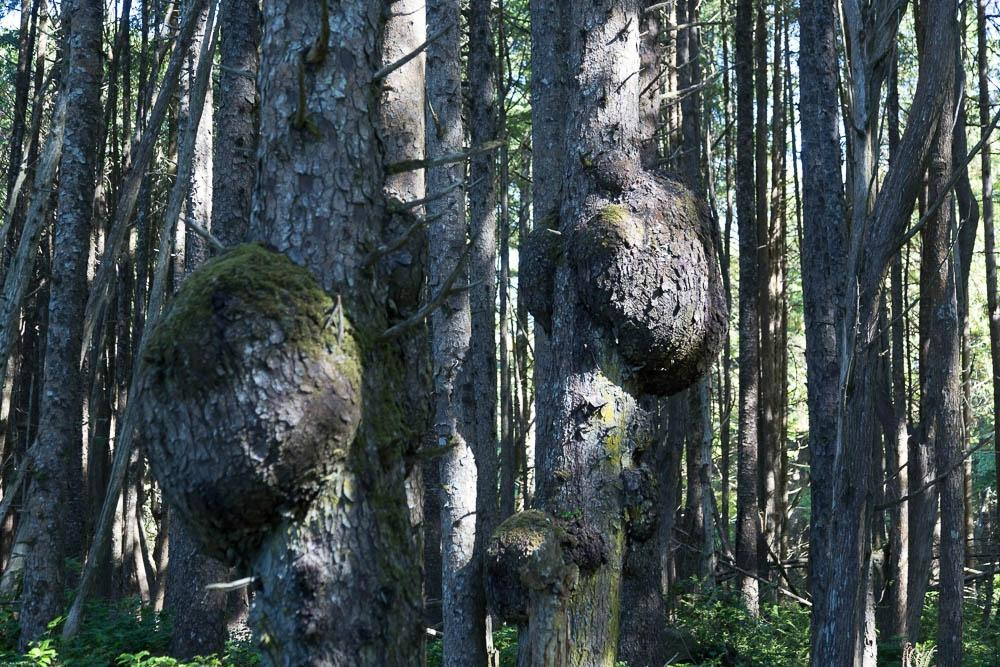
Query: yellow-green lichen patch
pixel 620 226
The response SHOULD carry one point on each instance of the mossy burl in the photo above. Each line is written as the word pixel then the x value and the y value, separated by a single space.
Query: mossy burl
pixel 259 284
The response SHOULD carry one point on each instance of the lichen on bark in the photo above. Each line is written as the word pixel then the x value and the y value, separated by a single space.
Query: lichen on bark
pixel 249 328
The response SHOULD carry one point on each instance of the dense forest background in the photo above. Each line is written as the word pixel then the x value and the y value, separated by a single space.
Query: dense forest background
pixel 476 332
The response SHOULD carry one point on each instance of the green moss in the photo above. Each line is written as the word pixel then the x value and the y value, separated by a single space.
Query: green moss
pixel 616 225
pixel 529 529
pixel 260 287
pixel 614 214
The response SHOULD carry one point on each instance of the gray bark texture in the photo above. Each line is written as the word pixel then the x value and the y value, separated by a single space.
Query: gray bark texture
pixel 236 119
pixel 635 294
pixel 823 259
pixel 941 391
pixel 462 598
pixel 549 94
pixel 267 392
pixel 747 501
pixel 199 616
pixel 402 129
pixel 53 515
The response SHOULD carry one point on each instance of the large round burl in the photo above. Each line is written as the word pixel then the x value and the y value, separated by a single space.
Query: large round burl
pixel 250 392
pixel 647 270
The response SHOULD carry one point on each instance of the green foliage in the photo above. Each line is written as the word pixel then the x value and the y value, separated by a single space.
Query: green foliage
pixel 117 634
pixel 980 640
pixel 723 633
pixel 504 641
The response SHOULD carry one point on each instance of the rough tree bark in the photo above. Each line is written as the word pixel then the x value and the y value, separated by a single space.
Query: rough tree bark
pixel 288 456
pixel 402 128
pixel 462 599
pixel 872 247
pixel 747 501
pixel 823 256
pixel 550 83
pixel 199 615
pixel 236 120
pixel 53 516
pixel 557 570
pixel 941 392
pixel 480 392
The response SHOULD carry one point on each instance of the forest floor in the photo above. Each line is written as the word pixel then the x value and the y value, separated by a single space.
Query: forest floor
pixel 710 629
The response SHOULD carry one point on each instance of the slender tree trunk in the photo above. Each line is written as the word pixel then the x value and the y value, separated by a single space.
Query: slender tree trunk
pixel 199 615
pixel 550 82
pixel 941 391
pixel 451 328
pixel 823 256
pixel 480 391
pixel 897 449
pixel 402 129
pixel 235 144
pixel 54 513
pixel 989 241
pixel 747 503
pixel 872 247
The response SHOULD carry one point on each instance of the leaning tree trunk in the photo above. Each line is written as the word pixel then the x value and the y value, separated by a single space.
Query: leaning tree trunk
pixel 630 290
pixel 53 516
pixel 268 389
pixel 846 558
pixel 199 615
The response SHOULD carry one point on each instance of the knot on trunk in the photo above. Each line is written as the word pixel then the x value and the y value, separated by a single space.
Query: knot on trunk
pixel 541 250
pixel 526 556
pixel 646 269
pixel 250 393
pixel 641 491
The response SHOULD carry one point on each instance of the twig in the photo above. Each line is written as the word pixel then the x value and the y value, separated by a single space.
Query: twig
pixel 397 206
pixel 392 247
pixel 393 66
pixel 427 163
pixel 446 291
pixel 231 585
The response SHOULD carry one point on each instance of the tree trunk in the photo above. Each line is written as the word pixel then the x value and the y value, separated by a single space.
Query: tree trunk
pixel 480 392
pixel 989 242
pixel 462 599
pixel 402 127
pixel 570 555
pixel 53 515
pixel 872 247
pixel 199 615
pixel 236 121
pixel 941 392
pixel 747 501
pixel 823 256
pixel 317 510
